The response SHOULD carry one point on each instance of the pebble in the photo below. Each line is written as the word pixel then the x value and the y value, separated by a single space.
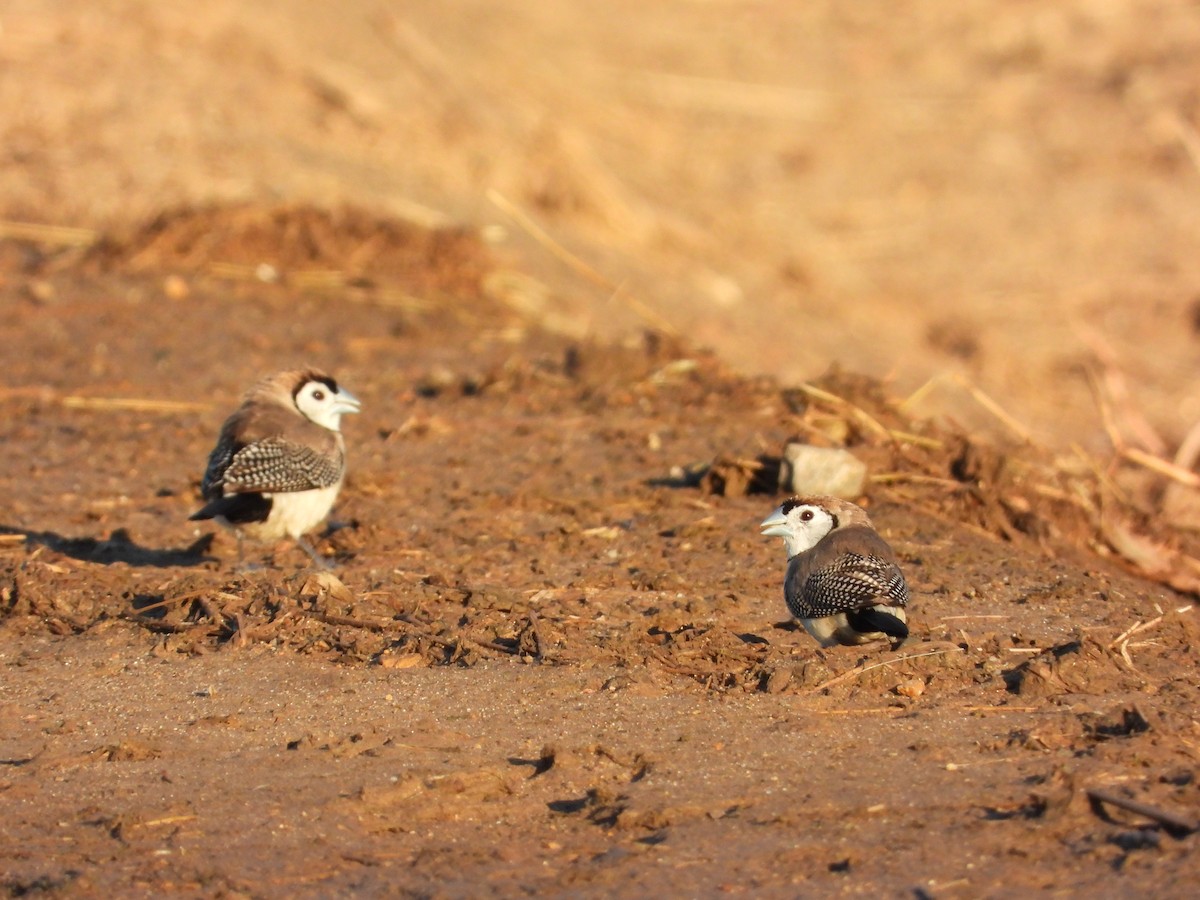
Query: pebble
pixel 822 470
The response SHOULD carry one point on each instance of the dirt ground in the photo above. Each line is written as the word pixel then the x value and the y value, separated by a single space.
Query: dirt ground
pixel 550 247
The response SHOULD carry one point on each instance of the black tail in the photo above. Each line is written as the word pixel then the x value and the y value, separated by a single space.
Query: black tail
pixel 872 618
pixel 236 509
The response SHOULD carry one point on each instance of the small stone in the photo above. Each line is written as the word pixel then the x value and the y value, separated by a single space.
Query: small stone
pixel 41 291
pixel 777 682
pixel 318 583
pixel 175 287
pixel 400 660
pixel 822 470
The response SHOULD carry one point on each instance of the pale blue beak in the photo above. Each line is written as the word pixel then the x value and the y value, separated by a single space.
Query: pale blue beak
pixel 346 403
pixel 775 525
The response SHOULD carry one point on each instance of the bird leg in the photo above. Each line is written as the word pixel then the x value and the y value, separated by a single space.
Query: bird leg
pixel 242 565
pixel 321 562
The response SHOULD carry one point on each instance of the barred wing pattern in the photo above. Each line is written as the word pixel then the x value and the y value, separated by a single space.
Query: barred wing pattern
pixel 851 582
pixel 270 466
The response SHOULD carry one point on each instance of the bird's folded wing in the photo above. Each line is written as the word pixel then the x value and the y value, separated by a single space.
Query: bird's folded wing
pixel 276 465
pixel 214 472
pixel 852 582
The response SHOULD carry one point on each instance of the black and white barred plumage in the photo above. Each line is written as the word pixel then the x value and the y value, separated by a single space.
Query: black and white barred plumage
pixel 273 465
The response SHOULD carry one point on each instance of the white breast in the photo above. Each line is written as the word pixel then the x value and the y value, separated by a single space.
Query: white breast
pixel 294 514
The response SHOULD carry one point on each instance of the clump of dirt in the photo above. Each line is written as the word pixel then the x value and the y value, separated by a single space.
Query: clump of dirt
pixel 300 245
pixel 301 248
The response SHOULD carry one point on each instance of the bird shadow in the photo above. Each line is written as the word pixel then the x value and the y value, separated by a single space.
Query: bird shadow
pixel 119 547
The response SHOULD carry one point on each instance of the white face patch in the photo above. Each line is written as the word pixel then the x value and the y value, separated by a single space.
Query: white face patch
pixel 323 405
pixel 807 525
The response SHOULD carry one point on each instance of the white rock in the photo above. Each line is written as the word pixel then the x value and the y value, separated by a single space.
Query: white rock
pixel 822 470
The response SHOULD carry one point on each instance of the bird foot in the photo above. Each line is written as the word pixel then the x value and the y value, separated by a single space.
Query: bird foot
pixel 322 563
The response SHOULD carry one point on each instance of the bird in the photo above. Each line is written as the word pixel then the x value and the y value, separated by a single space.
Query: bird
pixel 279 460
pixel 843 583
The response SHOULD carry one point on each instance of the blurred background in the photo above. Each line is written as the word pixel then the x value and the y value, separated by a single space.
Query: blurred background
pixel 980 200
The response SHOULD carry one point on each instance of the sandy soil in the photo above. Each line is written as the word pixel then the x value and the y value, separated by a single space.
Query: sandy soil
pixel 553 656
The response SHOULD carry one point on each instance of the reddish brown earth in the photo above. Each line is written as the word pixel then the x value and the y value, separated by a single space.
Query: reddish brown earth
pixel 553 657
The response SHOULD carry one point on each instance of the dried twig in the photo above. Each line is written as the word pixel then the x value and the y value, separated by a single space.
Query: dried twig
pixel 1139 627
pixel 907 437
pixel 667 664
pixel 168 820
pixel 1173 822
pixel 537 637
pixel 958 767
pixel 241 634
pixel 920 393
pixel 214 612
pixel 182 598
pixel 859 670
pixel 976 394
pixel 1113 395
pixel 1124 635
pixel 161 627
pixel 1189 449
pixel 858 412
pixel 1121 644
pixel 1107 419
pixel 1189 138
pixel 47 394
pixel 60 235
pixel 377 626
pixel 1053 493
pixel 134 404
pixel 916 478
pixel 1161 466
pixel 996 410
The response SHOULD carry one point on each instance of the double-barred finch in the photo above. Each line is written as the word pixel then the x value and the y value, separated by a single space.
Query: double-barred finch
pixel 842 583
pixel 280 459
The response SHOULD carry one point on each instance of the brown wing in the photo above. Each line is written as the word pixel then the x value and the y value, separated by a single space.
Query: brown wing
pixel 277 466
pixel 850 569
pixel 268 449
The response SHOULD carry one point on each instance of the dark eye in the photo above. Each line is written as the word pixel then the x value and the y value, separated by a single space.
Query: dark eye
pixel 806 516
pixel 318 395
